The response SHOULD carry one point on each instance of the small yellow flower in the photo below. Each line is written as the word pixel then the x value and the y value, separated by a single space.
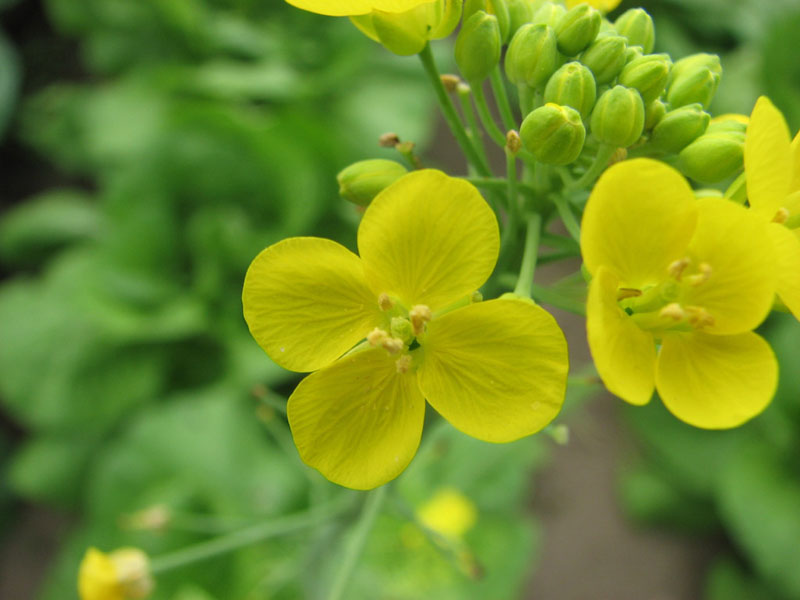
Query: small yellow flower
pixel 449 513
pixel 602 5
pixel 348 8
pixel 123 574
pixel 678 286
pixel 397 326
pixel 772 168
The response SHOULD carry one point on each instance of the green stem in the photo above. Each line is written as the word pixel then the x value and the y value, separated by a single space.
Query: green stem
pixel 567 216
pixel 510 231
pixel 360 534
pixel 246 537
pixel 473 128
pixel 485 115
pixel 604 154
pixel 529 256
pixel 501 97
pixel 499 185
pixel 450 114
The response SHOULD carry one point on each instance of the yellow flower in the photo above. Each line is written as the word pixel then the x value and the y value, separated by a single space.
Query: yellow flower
pixel 772 167
pixel 678 285
pixel 123 574
pixel 348 8
pixel 496 370
pixel 449 513
pixel 603 5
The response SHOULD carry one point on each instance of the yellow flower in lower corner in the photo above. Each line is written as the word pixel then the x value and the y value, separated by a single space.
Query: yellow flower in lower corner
pixel 678 286
pixel 772 169
pixel 397 326
pixel 123 574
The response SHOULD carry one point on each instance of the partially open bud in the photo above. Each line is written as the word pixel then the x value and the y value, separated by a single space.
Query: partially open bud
pixel 554 134
pixel 605 57
pixel 362 181
pixel 679 128
pixel 713 157
pixel 648 74
pixel 478 46
pixel 572 85
pixel 532 55
pixel 653 113
pixel 577 29
pixel 618 117
pixel 498 8
pixel 549 14
pixel 694 79
pixel 637 26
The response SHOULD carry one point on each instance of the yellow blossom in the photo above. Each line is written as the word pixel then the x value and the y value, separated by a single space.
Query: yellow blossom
pixel 123 574
pixel 449 513
pixel 678 286
pixel 602 5
pixel 496 369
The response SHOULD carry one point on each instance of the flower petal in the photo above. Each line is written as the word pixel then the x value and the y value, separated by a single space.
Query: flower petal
pixel 716 381
pixel 496 370
pixel 358 421
pixel 306 302
pixel 346 8
pixel 787 257
pixel 624 354
pixel 795 186
pixel 639 219
pixel 428 239
pixel 97 577
pixel 767 158
pixel 741 286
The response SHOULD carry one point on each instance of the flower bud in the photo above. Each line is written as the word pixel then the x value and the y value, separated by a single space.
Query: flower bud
pixel 729 122
pixel 637 26
pixel 679 128
pixel 694 79
pixel 362 181
pixel 618 117
pixel 632 53
pixel 577 29
pixel 478 46
pixel 498 8
pixel 520 12
pixel 532 55
pixel 572 85
pixel 554 134
pixel 713 157
pixel 653 113
pixel 648 74
pixel 549 14
pixel 605 57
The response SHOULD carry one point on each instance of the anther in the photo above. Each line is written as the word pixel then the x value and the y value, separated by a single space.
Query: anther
pixel 673 311
pixel 403 363
pixel 377 337
pixel 676 268
pixel 419 315
pixel 385 302
pixel 699 317
pixel 623 293
pixel 393 345
pixel 701 277
pixel 781 216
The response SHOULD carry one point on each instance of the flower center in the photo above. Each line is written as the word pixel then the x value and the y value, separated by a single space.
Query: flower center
pixel 400 337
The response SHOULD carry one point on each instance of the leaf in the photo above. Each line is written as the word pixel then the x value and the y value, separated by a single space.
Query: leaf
pixel 9 80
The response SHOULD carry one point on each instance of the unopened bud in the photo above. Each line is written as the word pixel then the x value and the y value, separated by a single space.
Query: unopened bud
pixel 532 55
pixel 520 12
pixel 653 113
pixel 648 74
pixel 513 142
pixel 577 29
pixel 572 85
pixel 729 123
pixel 679 128
pixel 605 57
pixel 713 157
pixel 450 82
pixel 362 181
pixel 478 46
pixel 637 26
pixel 497 8
pixel 694 79
pixel 388 140
pixel 618 117
pixel 549 14
pixel 554 134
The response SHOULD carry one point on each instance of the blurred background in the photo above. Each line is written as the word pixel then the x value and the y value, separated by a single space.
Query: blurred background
pixel 149 149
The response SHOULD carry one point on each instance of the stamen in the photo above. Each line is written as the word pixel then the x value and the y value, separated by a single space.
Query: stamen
pixel 403 363
pixel 393 345
pixel 701 277
pixel 377 336
pixel 676 268
pixel 673 311
pixel 419 315
pixel 781 216
pixel 699 317
pixel 385 302
pixel 623 293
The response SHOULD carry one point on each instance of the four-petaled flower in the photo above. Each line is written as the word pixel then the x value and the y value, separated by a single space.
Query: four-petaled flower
pixel 123 574
pixel 678 286
pixel 396 326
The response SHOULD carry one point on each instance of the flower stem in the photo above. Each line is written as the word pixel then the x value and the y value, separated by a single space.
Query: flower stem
pixel 356 544
pixel 473 128
pixel 567 216
pixel 485 114
pixel 604 154
pixel 529 256
pixel 450 114
pixel 501 97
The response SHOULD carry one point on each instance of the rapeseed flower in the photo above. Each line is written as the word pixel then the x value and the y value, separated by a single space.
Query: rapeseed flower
pixel 396 326
pixel 123 574
pixel 678 286
pixel 772 168
pixel 602 5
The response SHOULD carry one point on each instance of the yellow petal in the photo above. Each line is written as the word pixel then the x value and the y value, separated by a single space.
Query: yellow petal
pixel 716 381
pixel 741 287
pixel 358 421
pixel 796 163
pixel 767 158
pixel 639 219
pixel 346 8
pixel 428 239
pixel 496 370
pixel 603 5
pixel 624 354
pixel 787 257
pixel 97 577
pixel 306 302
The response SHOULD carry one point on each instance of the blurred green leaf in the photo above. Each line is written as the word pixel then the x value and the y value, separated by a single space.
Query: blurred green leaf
pixel 727 581
pixel 9 79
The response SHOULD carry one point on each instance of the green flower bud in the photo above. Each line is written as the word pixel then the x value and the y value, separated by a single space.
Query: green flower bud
pixel 572 85
pixel 549 14
pixel 498 8
pixel 478 46
pixel 577 29
pixel 694 79
pixel 605 57
pixel 554 134
pixel 653 113
pixel 532 55
pixel 647 74
pixel 362 181
pixel 679 128
pixel 618 117
pixel 728 123
pixel 632 53
pixel 713 157
pixel 637 26
pixel 520 12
